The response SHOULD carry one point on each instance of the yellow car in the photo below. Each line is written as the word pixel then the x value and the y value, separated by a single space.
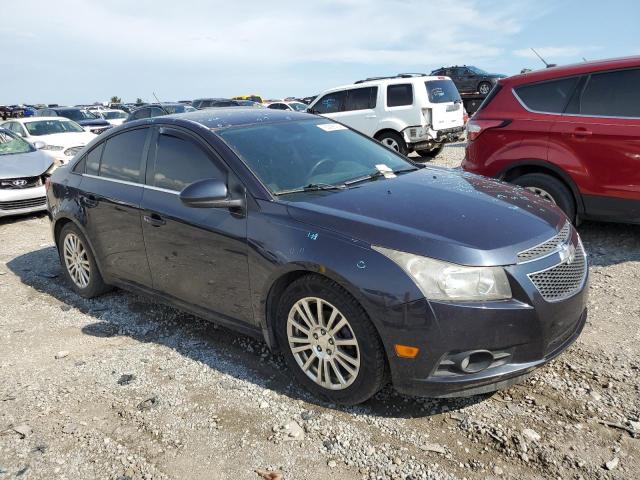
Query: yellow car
pixel 253 98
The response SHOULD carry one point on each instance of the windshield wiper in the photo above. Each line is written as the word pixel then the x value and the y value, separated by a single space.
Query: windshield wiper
pixel 377 174
pixel 312 187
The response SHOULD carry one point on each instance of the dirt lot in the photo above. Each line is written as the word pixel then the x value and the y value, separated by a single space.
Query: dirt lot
pixel 122 388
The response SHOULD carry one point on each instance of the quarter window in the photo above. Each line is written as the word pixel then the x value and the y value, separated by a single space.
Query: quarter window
pixel 549 97
pixel 122 156
pixel 181 162
pixel 331 103
pixel 398 95
pixel 612 94
pixel 93 160
pixel 361 98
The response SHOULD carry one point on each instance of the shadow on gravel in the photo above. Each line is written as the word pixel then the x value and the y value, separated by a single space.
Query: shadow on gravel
pixel 122 313
pixel 610 243
pixel 21 218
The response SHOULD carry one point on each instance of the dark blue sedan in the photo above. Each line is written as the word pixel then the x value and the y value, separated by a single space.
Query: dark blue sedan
pixel 357 264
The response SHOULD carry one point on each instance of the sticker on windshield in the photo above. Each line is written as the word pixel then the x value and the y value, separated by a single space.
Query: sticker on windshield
pixel 331 127
pixel 385 170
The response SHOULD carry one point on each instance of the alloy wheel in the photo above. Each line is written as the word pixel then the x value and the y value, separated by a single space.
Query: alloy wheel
pixel 76 260
pixel 323 343
pixel 542 193
pixel 391 143
pixel 484 89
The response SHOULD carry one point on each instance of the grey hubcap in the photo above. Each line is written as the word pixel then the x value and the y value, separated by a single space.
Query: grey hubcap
pixel 391 143
pixel 484 89
pixel 323 343
pixel 542 193
pixel 76 260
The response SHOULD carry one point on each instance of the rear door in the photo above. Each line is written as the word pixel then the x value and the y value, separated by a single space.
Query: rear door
pixel 196 255
pixel 111 195
pixel 600 129
pixel 444 103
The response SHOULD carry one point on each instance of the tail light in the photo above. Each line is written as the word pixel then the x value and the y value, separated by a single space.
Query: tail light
pixel 475 127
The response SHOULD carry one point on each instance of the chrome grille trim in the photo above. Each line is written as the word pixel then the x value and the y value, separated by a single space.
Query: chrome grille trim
pixel 20 204
pixel 563 280
pixel 547 247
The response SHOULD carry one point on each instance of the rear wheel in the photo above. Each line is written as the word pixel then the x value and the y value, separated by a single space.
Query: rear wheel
pixel 393 141
pixel 431 153
pixel 329 343
pixel 78 263
pixel 551 189
pixel 484 88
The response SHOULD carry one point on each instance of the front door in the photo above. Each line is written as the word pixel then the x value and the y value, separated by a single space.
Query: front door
pixel 196 255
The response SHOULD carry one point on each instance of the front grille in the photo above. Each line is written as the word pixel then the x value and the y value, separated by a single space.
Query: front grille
pixel 18 183
pixel 72 151
pixel 548 247
pixel 563 280
pixel 20 204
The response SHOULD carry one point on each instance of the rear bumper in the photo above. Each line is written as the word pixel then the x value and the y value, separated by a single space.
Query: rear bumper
pixel 435 137
pixel 21 201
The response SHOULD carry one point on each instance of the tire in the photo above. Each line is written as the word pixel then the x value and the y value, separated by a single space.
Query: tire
pixel 394 141
pixel 484 88
pixel 85 279
pixel 345 386
pixel 429 154
pixel 550 188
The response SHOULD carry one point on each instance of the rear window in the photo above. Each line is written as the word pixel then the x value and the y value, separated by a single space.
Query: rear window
pixel 612 94
pixel 399 95
pixel 361 98
pixel 548 97
pixel 442 91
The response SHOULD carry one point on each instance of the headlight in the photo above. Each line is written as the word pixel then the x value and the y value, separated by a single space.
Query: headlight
pixel 52 147
pixel 439 280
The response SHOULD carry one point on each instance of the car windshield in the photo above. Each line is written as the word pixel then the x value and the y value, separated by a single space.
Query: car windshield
pixel 50 127
pixel 114 115
pixel 297 154
pixel 11 144
pixel 298 107
pixel 442 91
pixel 478 71
pixel 77 115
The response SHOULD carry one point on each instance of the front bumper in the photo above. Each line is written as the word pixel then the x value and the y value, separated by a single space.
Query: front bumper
pixel 22 200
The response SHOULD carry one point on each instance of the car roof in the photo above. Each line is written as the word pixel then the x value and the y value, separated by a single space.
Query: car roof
pixel 215 118
pixel 63 109
pixel 387 81
pixel 211 98
pixel 574 69
pixel 39 119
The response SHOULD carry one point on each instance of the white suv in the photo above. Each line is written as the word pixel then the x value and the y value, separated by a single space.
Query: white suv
pixel 408 112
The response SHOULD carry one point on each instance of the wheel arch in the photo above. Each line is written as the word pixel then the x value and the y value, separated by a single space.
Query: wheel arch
pixel 525 167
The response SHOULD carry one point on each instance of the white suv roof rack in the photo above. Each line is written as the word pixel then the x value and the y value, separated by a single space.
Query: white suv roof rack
pixel 399 75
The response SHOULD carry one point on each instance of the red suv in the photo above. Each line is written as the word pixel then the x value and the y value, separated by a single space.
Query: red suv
pixel 570 134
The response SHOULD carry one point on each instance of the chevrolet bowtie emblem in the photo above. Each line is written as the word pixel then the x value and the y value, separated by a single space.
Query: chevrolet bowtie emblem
pixel 567 254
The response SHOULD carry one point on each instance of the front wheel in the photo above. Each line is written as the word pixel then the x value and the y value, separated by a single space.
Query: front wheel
pixel 329 343
pixel 484 88
pixel 551 189
pixel 394 141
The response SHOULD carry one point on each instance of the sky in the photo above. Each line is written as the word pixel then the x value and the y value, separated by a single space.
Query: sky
pixel 82 51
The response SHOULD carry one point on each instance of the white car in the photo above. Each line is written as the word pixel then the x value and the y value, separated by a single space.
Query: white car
pixel 407 112
pixel 113 116
pixel 294 106
pixel 59 137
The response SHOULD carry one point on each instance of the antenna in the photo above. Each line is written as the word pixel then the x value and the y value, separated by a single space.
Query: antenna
pixel 160 103
pixel 158 100
pixel 541 59
pixel 584 59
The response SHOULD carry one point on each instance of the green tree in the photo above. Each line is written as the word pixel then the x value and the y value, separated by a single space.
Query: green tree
pixel 116 99
pixel 139 100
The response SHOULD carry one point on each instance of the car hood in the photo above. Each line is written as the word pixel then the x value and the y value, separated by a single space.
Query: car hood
pixel 453 216
pixel 69 139
pixel 30 164
pixel 98 122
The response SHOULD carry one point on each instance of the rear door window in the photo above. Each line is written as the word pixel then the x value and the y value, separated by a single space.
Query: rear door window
pixel 180 162
pixel 331 102
pixel 547 97
pixel 442 91
pixel 122 156
pixel 399 95
pixel 93 160
pixel 612 94
pixel 361 98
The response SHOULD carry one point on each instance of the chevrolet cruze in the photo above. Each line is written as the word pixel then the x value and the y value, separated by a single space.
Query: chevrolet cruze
pixel 358 265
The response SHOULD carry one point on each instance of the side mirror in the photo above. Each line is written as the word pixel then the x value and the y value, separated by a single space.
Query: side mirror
pixel 39 144
pixel 209 193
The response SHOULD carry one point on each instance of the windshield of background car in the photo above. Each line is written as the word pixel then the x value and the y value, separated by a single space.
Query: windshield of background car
pixel 11 144
pixel 442 91
pixel 478 71
pixel 50 127
pixel 113 115
pixel 78 115
pixel 298 107
pixel 294 154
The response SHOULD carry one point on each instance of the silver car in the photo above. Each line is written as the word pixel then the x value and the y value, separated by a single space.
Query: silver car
pixel 23 171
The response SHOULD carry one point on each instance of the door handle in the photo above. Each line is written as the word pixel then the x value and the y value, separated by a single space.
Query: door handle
pixel 154 220
pixel 88 201
pixel 582 132
pixel 369 116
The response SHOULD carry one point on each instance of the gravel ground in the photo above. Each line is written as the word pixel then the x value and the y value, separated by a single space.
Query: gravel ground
pixel 122 388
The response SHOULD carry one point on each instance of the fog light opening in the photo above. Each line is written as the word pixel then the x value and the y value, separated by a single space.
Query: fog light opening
pixel 476 361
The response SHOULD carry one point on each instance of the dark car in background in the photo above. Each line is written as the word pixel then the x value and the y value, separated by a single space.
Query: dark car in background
pixel 296 229
pixel 470 79
pixel 200 103
pixel 570 134
pixel 158 110
pixel 84 118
